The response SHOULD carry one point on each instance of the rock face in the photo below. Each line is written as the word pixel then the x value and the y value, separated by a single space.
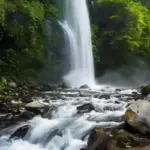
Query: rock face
pixel 37 107
pixel 137 116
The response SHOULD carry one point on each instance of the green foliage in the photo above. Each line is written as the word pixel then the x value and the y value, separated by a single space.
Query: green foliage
pixel 6 93
pixel 123 33
pixel 23 37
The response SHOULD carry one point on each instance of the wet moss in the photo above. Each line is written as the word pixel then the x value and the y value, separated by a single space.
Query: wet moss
pixel 126 142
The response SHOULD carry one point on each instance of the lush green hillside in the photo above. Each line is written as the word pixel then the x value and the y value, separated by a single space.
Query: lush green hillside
pixel 121 33
pixel 24 38
pixel 30 38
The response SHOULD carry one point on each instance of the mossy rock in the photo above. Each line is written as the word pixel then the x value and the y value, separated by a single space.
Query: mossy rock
pixel 126 142
pixel 146 90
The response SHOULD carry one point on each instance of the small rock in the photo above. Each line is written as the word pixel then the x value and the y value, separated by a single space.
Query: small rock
pixel 85 108
pixel 12 84
pixel 65 86
pixel 84 87
pixel 118 90
pixel 27 114
pixel 105 96
pixel 134 92
pixel 117 102
pixel 46 101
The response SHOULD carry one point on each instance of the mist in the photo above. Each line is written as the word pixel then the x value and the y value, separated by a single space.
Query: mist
pixel 137 75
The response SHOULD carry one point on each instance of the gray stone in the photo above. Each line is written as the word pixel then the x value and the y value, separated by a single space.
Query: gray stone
pixel 85 86
pixel 85 108
pixel 137 116
pixel 27 114
pixel 12 84
pixel 37 107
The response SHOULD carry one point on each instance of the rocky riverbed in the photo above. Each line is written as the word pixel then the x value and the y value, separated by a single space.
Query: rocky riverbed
pixel 44 117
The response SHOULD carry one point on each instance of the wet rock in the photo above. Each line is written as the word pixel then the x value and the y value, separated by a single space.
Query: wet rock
pixel 37 107
pixel 20 132
pixel 46 101
pixel 118 90
pixel 146 90
pixel 104 96
pixel 135 93
pixel 117 95
pixel 117 102
pixel 84 86
pixel 99 140
pixel 137 116
pixel 12 84
pixel 27 114
pixel 85 108
pixel 64 86
pixel 115 139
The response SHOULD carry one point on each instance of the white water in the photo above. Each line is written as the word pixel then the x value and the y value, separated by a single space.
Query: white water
pixel 68 130
pixel 76 25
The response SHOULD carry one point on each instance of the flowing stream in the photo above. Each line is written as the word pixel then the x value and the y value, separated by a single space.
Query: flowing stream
pixel 76 26
pixel 68 128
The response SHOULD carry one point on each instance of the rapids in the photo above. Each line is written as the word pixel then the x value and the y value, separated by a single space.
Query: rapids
pixel 67 129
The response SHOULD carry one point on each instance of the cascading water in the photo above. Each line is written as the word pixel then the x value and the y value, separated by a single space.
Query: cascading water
pixel 76 26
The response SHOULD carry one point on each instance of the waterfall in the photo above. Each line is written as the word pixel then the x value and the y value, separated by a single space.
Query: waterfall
pixel 76 25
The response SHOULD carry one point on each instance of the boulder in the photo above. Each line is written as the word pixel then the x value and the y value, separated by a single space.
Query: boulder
pixel 115 139
pixel 85 108
pixel 99 140
pixel 85 86
pixel 37 107
pixel 137 116
pixel 146 90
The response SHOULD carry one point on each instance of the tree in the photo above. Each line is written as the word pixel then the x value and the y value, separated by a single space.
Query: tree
pixel 123 33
